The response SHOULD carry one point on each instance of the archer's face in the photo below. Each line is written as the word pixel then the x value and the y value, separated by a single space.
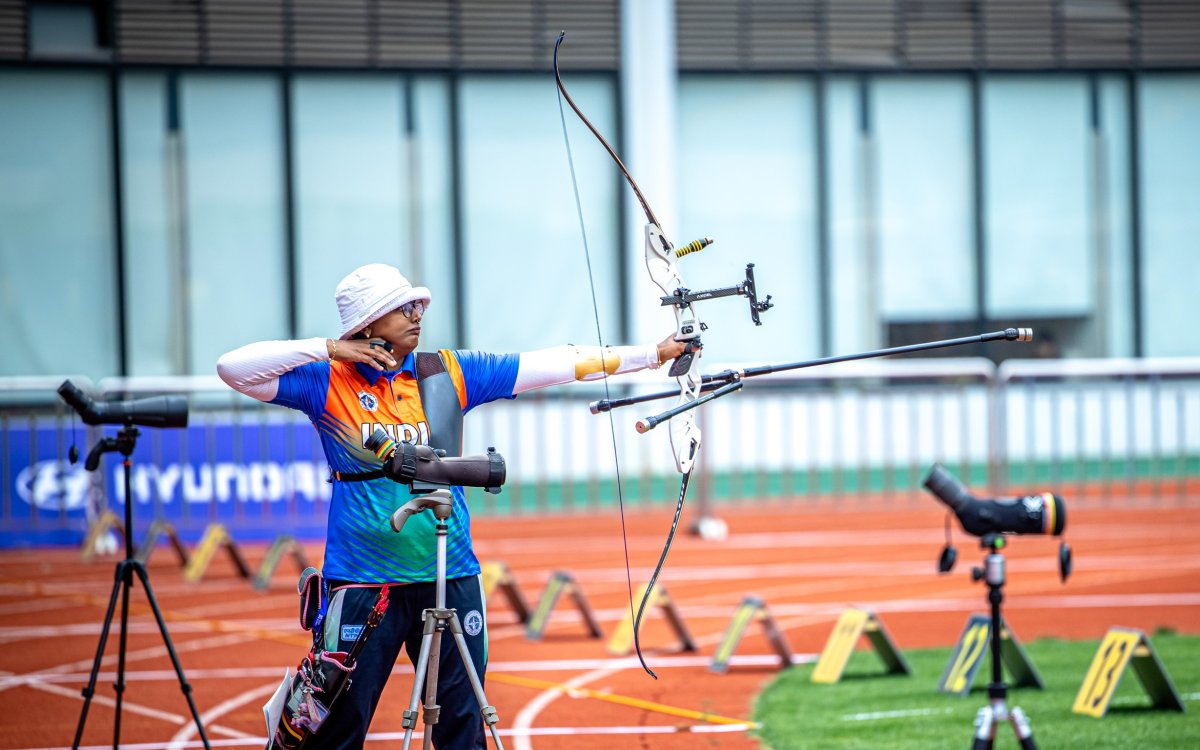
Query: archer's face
pixel 402 331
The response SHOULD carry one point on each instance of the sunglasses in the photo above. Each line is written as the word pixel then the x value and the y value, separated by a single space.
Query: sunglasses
pixel 408 307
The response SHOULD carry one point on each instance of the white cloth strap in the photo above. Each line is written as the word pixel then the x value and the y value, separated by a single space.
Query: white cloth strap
pixel 255 369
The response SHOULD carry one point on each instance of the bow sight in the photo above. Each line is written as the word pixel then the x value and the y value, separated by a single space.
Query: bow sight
pixel 682 298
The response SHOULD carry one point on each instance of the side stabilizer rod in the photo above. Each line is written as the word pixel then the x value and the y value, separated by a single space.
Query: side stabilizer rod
pixel 716 382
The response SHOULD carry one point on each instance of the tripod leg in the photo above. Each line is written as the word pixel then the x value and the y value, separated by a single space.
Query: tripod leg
pixel 162 628
pixel 432 710
pixel 90 690
pixel 489 712
pixel 119 685
pixel 985 729
pixel 1020 724
pixel 409 719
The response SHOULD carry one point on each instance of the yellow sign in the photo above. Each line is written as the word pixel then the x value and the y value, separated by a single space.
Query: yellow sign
pixel 622 638
pixel 158 529
pixel 972 652
pixel 560 583
pixel 282 545
pixel 752 608
pixel 497 575
pixel 1120 648
pixel 967 656
pixel 840 645
pixel 621 642
pixel 493 573
pixel 215 537
pixel 851 626
pixel 107 520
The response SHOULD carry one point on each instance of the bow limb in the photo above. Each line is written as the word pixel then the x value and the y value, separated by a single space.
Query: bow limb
pixel 607 147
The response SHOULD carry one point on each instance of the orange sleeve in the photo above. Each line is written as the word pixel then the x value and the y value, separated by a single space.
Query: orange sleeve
pixel 456 375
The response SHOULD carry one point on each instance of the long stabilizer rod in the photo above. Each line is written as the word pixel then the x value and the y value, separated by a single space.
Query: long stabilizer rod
pixel 714 382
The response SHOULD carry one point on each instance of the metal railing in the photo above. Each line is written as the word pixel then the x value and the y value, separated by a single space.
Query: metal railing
pixel 1101 430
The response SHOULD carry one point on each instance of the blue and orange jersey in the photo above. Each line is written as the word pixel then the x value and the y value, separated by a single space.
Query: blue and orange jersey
pixel 346 401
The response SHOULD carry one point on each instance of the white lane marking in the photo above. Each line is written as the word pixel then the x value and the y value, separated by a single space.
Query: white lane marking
pixel 34 605
pixel 875 715
pixel 136 708
pixel 700 570
pixel 914 604
pixel 811 539
pixel 153 652
pixel 396 736
pixel 527 715
pixel 548 665
pixel 104 700
pixel 181 737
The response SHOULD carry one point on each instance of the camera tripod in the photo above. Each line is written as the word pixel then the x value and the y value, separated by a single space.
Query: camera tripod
pixel 437 621
pixel 997 710
pixel 124 443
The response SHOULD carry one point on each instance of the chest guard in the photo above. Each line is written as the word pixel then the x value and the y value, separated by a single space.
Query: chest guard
pixel 439 400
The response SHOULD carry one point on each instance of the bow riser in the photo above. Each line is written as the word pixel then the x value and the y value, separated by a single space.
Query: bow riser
pixel 664 272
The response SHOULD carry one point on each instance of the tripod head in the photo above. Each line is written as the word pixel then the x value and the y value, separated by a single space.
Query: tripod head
pixel 123 443
pixel 440 501
pixel 993 565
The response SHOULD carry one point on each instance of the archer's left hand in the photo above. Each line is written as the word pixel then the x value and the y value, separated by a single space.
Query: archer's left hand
pixel 669 349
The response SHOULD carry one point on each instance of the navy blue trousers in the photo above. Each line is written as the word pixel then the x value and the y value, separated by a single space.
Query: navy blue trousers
pixel 460 726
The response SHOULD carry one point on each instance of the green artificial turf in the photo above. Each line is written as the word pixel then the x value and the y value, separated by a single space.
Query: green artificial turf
pixel 868 709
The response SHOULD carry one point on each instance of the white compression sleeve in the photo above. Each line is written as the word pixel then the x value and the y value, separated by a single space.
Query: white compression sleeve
pixel 254 369
pixel 563 364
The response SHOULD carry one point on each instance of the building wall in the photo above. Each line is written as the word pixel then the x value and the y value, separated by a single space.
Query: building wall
pixel 170 190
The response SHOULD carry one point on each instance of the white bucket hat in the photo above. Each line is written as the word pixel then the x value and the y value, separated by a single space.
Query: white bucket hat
pixel 372 291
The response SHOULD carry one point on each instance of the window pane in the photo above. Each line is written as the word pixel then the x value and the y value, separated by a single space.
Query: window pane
pixel 1037 156
pixel 56 234
pixel 1170 112
pixel 153 243
pixel 526 277
pixel 235 217
pixel 746 166
pixel 1114 308
pixel 922 130
pixel 351 200
pixel 371 180
pixel 430 170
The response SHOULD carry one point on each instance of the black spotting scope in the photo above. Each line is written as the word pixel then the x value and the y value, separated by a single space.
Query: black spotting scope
pixel 423 469
pixel 1044 513
pixel 156 411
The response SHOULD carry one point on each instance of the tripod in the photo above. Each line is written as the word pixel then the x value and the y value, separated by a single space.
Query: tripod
pixel 437 620
pixel 124 443
pixel 997 711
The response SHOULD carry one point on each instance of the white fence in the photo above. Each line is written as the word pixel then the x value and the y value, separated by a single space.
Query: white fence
pixel 1109 429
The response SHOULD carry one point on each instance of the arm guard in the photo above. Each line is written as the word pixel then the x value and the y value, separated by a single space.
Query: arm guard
pixel 564 364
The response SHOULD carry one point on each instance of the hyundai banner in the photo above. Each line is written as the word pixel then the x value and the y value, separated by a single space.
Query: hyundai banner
pixel 259 480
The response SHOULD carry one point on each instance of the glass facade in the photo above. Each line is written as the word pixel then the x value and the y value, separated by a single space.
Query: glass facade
pixel 1065 201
